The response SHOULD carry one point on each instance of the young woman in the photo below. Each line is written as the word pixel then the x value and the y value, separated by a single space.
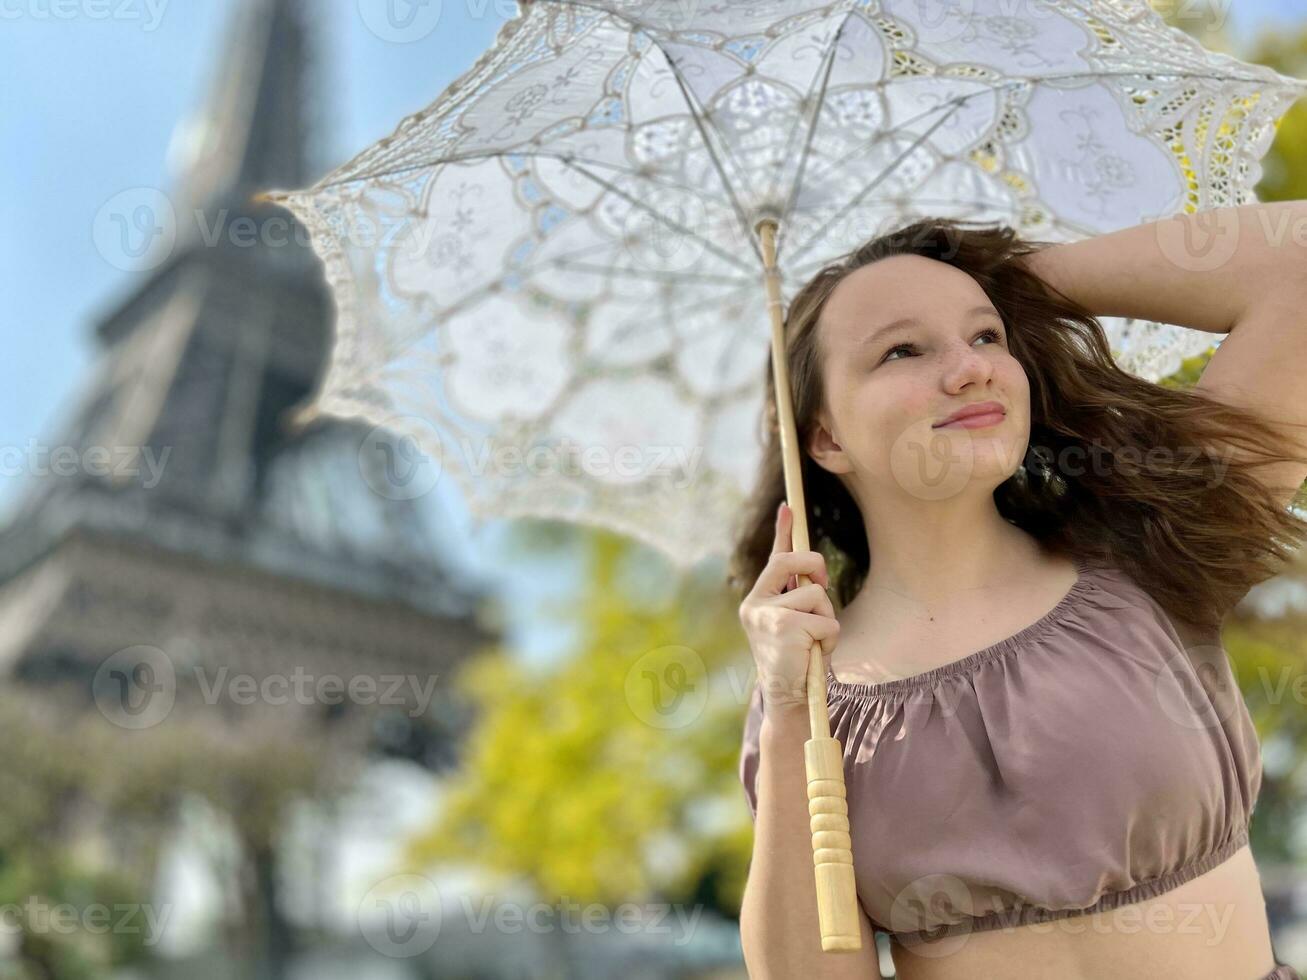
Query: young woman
pixel 1050 769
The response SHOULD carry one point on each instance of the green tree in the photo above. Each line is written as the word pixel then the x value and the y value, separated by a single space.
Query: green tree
pixel 1284 170
pixel 611 775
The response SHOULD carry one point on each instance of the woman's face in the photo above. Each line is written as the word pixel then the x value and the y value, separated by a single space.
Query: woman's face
pixel 890 384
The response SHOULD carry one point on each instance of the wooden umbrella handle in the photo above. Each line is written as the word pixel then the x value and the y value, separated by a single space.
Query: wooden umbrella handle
pixel 828 808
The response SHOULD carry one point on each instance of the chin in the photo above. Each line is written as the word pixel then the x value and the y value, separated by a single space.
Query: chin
pixel 992 460
pixel 941 465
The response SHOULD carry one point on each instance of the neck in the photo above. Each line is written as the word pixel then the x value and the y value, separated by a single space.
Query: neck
pixel 928 551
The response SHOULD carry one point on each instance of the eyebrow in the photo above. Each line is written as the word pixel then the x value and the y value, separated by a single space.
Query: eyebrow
pixel 909 321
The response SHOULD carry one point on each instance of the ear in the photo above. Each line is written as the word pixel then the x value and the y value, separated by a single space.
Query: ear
pixel 825 449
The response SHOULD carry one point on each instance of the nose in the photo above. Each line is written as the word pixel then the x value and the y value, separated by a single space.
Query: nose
pixel 964 364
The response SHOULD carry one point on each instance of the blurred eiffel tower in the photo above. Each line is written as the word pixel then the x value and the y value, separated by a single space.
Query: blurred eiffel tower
pixel 208 530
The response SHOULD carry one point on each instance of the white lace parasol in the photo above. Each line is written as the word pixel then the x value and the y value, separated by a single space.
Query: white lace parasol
pixel 549 277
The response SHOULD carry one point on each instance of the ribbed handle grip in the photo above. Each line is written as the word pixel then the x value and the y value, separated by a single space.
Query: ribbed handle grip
pixel 832 847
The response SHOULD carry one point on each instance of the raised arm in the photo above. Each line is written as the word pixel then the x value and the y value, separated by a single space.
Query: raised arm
pixel 1240 271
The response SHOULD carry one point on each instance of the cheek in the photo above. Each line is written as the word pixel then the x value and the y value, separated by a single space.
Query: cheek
pixel 896 419
pixel 899 401
pixel 1012 376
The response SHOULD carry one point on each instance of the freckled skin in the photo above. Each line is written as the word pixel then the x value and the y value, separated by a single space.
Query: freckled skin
pixel 915 376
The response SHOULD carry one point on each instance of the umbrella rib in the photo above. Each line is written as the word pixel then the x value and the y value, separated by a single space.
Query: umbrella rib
pixel 729 349
pixel 699 122
pixel 566 261
pixel 1127 72
pixel 675 309
pixel 493 285
pixel 812 239
pixel 800 271
pixel 865 144
pixel 788 207
pixel 881 134
pixel 675 225
pixel 494 154
pixel 1009 83
pixel 608 185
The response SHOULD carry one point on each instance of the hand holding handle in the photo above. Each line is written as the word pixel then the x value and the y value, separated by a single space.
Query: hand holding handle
pixel 828 810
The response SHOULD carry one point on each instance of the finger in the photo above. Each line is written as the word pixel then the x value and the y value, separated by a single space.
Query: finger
pixel 784 544
pixel 783 540
pixel 784 567
pixel 822 629
pixel 806 598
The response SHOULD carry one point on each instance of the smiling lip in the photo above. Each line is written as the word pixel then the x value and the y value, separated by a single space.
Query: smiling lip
pixel 976 416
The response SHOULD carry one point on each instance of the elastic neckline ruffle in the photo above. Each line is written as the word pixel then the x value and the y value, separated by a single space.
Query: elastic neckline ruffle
pixel 1026 635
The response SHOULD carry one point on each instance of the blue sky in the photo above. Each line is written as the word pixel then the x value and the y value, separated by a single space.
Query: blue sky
pixel 89 107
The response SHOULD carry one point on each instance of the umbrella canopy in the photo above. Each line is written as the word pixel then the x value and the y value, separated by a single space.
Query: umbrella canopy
pixel 550 277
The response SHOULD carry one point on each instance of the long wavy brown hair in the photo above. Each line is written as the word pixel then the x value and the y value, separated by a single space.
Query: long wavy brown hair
pixel 1194 538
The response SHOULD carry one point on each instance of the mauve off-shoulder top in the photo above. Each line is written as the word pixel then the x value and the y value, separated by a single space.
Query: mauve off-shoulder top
pixel 1100 756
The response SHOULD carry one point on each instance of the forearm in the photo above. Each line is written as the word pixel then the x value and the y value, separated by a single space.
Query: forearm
pixel 779 929
pixel 1203 271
